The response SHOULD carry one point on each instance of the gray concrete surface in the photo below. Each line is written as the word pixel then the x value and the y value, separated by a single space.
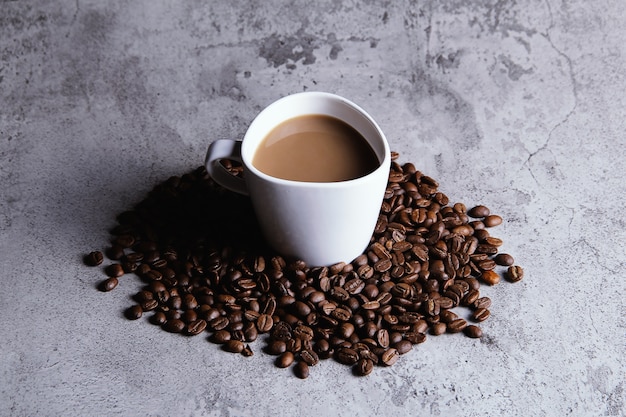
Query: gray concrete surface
pixel 516 105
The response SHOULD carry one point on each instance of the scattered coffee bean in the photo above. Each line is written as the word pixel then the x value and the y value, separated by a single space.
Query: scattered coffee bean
pixel 504 259
pixel 479 212
pixel 234 346
pixel 473 331
pixel 206 268
pixel 492 220
pixel 285 359
pixel 114 270
pixel 174 326
pixel 390 356
pixel 514 273
pixel 109 284
pixel 94 258
pixel 134 312
pixel 480 314
pixel 490 277
pixel 301 370
pixel 196 327
pixel 364 367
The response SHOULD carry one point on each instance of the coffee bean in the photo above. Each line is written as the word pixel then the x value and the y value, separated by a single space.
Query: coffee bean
pixel 115 252
pixel 135 312
pixel 514 273
pixel 403 346
pixel 479 211
pixel 301 370
pixel 114 270
pixel 196 327
pixel 473 331
pixel 285 359
pixel 234 346
pixel 482 302
pixel 490 277
pixel 438 328
pixel 94 258
pixel 220 336
pixel 309 356
pixel 347 356
pixel 265 323
pixel 456 325
pixel 174 326
pixel 276 347
pixel 364 367
pixel 480 314
pixel 492 220
pixel 109 284
pixel 247 351
pixel 158 318
pixel 390 356
pixel 504 259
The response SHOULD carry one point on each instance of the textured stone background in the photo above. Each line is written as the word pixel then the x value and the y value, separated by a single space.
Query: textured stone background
pixel 514 104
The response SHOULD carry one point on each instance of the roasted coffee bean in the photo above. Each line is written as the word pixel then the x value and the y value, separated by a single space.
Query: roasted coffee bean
pixel 482 302
pixel 470 297
pixel 403 346
pixel 234 346
pixel 196 327
pixel 309 356
pixel 158 318
pixel 415 337
pixel 364 367
pixel 438 328
pixel 135 312
pixel 285 359
pixel 390 356
pixel 480 314
pixel 301 370
pixel 109 284
pixel 504 259
pixel 447 316
pixel 115 252
pixel 473 331
pixel 149 305
pixel 276 347
pixel 492 220
pixel 514 273
pixel 265 323
pixel 347 356
pixel 479 211
pixel 220 336
pixel 94 258
pixel 174 326
pixel 247 351
pixel 114 270
pixel 490 277
pixel 382 337
pixel 456 326
pixel 425 258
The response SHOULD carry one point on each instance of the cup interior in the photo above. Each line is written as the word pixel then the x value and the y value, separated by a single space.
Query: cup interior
pixel 311 103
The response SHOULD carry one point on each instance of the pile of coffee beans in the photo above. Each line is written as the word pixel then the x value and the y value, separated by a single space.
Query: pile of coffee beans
pixel 208 271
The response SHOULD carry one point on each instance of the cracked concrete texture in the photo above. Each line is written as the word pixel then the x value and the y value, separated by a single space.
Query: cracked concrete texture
pixel 517 105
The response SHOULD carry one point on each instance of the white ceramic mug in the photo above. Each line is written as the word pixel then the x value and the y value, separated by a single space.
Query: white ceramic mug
pixel 321 223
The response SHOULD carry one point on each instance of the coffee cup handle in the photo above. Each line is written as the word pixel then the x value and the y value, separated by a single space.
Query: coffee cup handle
pixel 225 149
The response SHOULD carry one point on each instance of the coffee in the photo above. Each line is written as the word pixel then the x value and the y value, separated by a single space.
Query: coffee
pixel 315 148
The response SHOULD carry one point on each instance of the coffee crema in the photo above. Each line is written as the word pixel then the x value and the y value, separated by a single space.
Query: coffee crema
pixel 315 148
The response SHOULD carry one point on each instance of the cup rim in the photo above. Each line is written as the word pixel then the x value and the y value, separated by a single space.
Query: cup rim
pixel 383 164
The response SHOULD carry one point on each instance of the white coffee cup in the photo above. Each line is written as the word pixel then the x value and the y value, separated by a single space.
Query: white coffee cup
pixel 321 223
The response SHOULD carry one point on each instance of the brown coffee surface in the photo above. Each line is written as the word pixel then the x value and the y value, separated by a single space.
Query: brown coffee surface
pixel 315 148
